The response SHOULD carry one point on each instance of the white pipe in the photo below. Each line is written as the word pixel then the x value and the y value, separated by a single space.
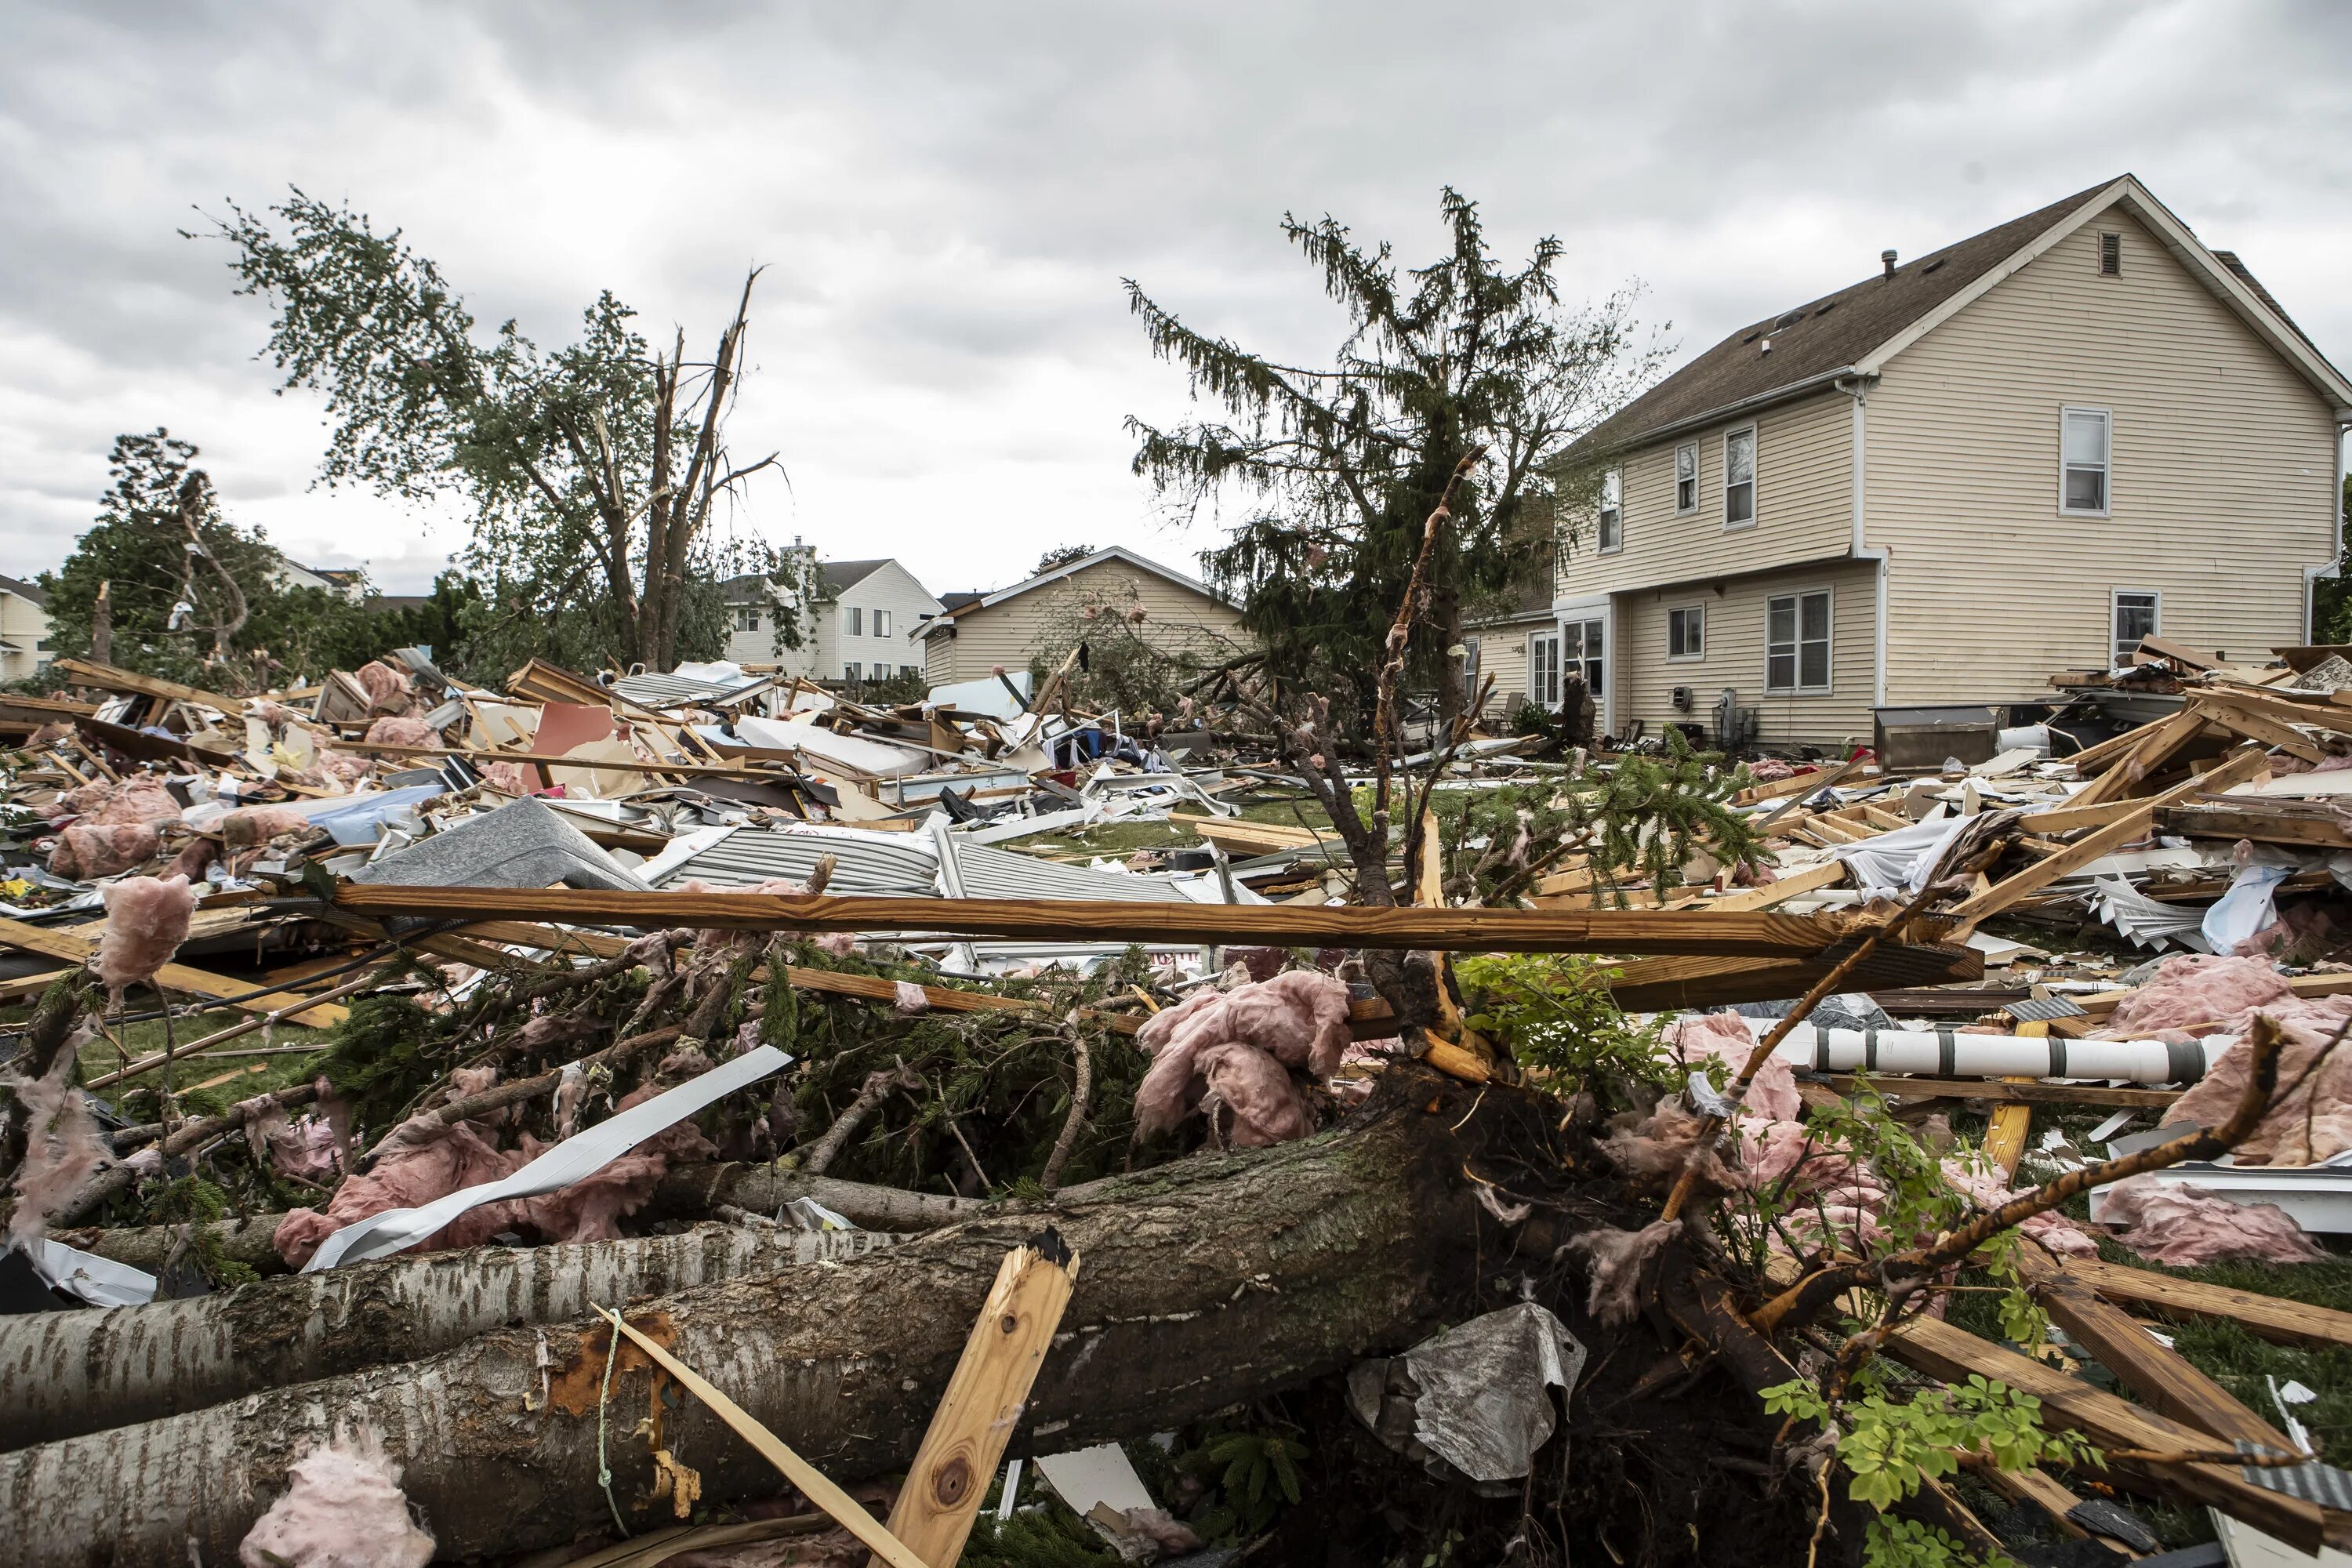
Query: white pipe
pixel 1948 1053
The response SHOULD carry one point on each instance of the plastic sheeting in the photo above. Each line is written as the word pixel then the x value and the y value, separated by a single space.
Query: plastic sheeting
pixel 101 1281
pixel 1483 1400
pixel 1900 861
pixel 396 1230
pixel 2249 907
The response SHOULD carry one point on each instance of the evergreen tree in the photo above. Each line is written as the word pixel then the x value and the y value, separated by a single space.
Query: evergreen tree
pixel 1344 462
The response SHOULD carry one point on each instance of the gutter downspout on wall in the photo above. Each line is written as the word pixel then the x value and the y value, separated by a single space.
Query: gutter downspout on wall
pixel 2311 575
pixel 1858 388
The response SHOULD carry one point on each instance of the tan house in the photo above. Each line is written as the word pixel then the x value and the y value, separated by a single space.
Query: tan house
pixel 979 633
pixel 24 629
pixel 2018 455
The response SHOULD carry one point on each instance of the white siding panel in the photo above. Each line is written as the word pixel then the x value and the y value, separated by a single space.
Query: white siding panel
pixel 2222 485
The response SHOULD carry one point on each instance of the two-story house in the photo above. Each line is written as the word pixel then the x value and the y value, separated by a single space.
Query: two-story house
pixel 861 624
pixel 2018 455
pixel 24 629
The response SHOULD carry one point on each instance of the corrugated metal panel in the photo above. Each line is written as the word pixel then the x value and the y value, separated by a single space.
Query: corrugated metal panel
pixel 1001 874
pixel 872 864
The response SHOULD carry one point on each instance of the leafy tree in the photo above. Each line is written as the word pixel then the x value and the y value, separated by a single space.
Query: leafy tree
pixel 191 595
pixel 1061 555
pixel 1345 461
pixel 1128 661
pixel 594 472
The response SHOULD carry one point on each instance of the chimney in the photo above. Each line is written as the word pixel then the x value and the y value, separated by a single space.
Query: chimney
pixel 1886 260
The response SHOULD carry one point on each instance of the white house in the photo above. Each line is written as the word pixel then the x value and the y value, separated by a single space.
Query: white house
pixel 24 629
pixel 861 629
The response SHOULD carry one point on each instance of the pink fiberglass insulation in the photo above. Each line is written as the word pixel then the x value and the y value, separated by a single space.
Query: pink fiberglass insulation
pixel 304 1148
pixel 509 778
pixel 138 800
pixel 2185 1226
pixel 2311 1123
pixel 83 799
pixel 1266 1104
pixel 146 920
pixel 195 858
pixel 87 852
pixel 399 731
pixel 387 688
pixel 418 1162
pixel 836 944
pixel 346 769
pixel 2192 991
pixel 343 1509
pixel 1613 1262
pixel 1654 1151
pixel 1727 1038
pixel 1986 1190
pixel 62 1148
pixel 253 825
pixel 1299 1018
pixel 590 1208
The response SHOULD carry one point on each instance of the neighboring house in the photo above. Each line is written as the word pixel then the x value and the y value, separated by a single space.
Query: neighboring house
pixel 1498 643
pixel 24 629
pixel 860 631
pixel 2016 456
pixel 347 581
pixel 977 633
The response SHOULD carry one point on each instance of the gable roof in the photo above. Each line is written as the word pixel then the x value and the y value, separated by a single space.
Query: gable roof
pixel 836 575
pixel 1855 330
pixel 840 574
pixel 1029 585
pixel 23 590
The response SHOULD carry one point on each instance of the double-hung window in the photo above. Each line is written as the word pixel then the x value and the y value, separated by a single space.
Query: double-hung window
pixel 852 671
pixel 1583 653
pixel 1740 478
pixel 1687 632
pixel 1612 510
pixel 1543 669
pixel 853 622
pixel 2136 616
pixel 881 622
pixel 747 618
pixel 1797 641
pixel 1686 479
pixel 2084 439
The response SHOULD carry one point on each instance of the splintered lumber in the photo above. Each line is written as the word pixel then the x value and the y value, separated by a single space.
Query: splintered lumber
pixel 70 1373
pixel 940 1497
pixel 560 760
pixel 1241 837
pixel 112 677
pixel 50 942
pixel 2143 760
pixel 2011 1120
pixel 1694 983
pixel 1225 1281
pixel 1696 931
pixel 1952 1354
pixel 2163 1381
pixel 2259 721
pixel 2267 1316
pixel 2280 820
pixel 1810 880
pixel 2115 834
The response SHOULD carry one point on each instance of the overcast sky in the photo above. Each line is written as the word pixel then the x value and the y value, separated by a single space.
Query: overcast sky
pixel 947 197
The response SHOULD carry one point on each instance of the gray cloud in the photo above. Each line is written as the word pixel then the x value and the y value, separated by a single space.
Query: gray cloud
pixel 947 198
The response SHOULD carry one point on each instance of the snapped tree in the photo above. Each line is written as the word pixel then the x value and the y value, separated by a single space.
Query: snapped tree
pixel 594 473
pixel 1343 462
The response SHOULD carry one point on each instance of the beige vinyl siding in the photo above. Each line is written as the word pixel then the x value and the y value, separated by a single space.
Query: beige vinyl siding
pixel 1503 653
pixel 2222 485
pixel 1804 508
pixel 1008 633
pixel 1734 657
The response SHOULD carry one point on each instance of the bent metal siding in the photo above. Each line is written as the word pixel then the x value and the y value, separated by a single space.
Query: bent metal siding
pixel 2222 488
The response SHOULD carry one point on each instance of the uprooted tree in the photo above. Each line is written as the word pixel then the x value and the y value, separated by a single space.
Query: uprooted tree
pixel 1343 461
pixel 597 476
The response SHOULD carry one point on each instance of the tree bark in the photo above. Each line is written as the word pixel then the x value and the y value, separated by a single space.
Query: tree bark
pixel 1202 1283
pixel 65 1374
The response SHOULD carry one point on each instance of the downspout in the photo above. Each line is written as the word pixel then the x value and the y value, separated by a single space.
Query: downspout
pixel 2311 575
pixel 1858 388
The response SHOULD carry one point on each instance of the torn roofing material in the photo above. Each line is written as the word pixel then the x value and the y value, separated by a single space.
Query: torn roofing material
pixel 525 843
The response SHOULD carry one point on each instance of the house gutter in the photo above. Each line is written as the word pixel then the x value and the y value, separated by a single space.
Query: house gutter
pixel 1857 387
pixel 1733 410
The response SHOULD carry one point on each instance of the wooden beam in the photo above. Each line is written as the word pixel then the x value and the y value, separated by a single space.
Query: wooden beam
pixel 26 986
pixel 1762 934
pixel 2012 1120
pixel 975 1417
pixel 1952 1354
pixel 2266 1316
pixel 54 943
pixel 385 748
pixel 2000 1091
pixel 2143 759
pixel 2278 819
pixel 2257 726
pixel 2121 831
pixel 1679 983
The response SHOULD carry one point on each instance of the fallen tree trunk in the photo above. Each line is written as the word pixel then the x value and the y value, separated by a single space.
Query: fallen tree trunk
pixel 690 1192
pixel 66 1373
pixel 1202 1283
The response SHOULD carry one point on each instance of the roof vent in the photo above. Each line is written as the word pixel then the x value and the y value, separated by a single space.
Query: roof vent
pixel 1933 265
pixel 1764 347
pixel 1886 260
pixel 1753 336
pixel 1791 319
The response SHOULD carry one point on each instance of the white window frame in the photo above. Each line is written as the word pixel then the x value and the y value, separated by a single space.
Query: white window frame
pixel 853 669
pixel 1470 651
pixel 1614 481
pixel 1828 591
pixel 2107 469
pixel 1699 609
pixel 1681 510
pixel 853 621
pixel 747 618
pixel 1755 479
pixel 1544 669
pixel 881 622
pixel 2116 654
